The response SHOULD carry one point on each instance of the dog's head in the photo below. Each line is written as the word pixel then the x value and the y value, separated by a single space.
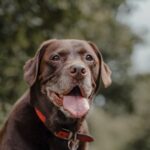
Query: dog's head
pixel 69 72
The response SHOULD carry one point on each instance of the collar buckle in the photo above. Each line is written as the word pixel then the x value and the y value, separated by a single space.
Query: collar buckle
pixel 73 143
pixel 64 134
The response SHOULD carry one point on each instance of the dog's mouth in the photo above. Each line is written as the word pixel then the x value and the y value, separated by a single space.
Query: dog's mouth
pixel 73 102
pixel 76 91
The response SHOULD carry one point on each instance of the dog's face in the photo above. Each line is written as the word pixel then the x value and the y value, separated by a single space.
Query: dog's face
pixel 68 72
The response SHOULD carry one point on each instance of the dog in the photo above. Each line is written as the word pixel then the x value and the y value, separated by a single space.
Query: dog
pixel 63 79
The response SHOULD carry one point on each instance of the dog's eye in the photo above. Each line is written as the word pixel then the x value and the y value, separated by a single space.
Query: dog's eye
pixel 89 57
pixel 55 58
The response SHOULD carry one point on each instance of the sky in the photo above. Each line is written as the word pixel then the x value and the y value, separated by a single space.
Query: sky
pixel 139 21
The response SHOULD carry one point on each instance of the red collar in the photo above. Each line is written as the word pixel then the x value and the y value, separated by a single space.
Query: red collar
pixel 40 115
pixel 64 133
pixel 67 135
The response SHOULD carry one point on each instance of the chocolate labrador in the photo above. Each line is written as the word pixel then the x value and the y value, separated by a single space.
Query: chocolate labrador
pixel 63 78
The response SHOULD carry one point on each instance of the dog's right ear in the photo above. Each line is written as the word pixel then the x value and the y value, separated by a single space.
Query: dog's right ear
pixel 31 67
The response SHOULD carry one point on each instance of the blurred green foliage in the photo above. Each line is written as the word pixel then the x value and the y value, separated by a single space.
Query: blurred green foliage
pixel 120 118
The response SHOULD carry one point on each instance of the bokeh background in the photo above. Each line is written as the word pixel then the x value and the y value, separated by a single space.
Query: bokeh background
pixel 120 117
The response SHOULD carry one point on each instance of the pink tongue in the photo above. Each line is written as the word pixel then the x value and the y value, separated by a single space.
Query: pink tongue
pixel 77 106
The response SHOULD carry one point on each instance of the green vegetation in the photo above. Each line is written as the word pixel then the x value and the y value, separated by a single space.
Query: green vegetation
pixel 123 122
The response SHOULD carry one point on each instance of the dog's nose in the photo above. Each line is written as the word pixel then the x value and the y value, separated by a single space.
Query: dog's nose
pixel 78 71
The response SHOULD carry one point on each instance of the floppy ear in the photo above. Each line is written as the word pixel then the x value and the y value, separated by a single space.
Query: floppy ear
pixel 31 67
pixel 104 71
pixel 105 74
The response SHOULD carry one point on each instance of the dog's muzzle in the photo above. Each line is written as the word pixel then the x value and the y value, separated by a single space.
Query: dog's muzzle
pixel 73 103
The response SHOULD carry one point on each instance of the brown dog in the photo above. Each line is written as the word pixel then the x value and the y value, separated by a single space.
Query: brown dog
pixel 63 77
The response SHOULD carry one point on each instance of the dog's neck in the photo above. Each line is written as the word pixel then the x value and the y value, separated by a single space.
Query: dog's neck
pixel 55 119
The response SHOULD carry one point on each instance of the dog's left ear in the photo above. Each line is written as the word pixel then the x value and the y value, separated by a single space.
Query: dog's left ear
pixel 104 71
pixel 31 67
pixel 106 74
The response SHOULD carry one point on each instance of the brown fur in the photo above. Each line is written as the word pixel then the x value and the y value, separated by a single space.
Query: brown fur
pixel 23 129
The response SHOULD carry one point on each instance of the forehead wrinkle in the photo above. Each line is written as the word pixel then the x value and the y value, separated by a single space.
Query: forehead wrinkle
pixel 82 47
pixel 69 46
pixel 51 48
pixel 77 45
